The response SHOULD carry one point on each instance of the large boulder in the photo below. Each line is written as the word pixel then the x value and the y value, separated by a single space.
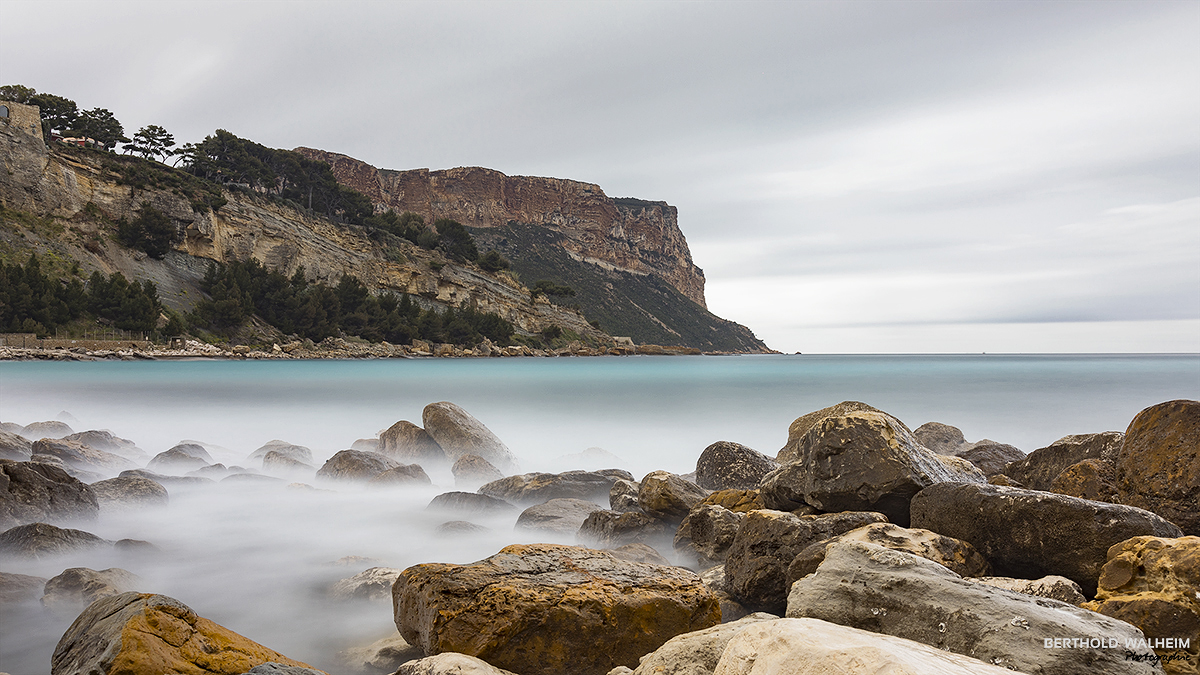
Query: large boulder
pixel 168 481
pixel 291 451
pixel 1039 468
pixel 472 471
pixel 790 451
pixel 180 459
pixel 1093 479
pixel 101 439
pixel 407 442
pixel 561 517
pixel 543 609
pixel 706 534
pixel 458 434
pixel 35 492
pixel 1158 466
pixel 129 493
pixel 146 633
pixel 1030 533
pixel 40 540
pixel 861 461
pixel 1154 584
pixel 668 497
pixel 990 457
pixel 696 652
pixel 67 594
pixel 904 595
pixel 400 476
pixel 47 429
pixel 371 584
pixel 738 501
pixel 281 463
pixel 353 465
pixel 18 588
pixel 940 438
pixel 77 455
pixel 15 447
pixel 765 544
pixel 468 503
pixel 535 488
pixel 622 497
pixel 726 465
pixel 956 555
pixel 610 529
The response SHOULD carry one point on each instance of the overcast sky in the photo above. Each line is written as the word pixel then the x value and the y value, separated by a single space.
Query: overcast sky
pixel 851 176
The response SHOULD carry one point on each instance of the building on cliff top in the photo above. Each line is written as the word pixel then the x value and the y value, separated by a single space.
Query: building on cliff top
pixel 27 118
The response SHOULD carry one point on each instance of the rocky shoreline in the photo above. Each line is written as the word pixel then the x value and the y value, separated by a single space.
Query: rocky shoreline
pixel 862 546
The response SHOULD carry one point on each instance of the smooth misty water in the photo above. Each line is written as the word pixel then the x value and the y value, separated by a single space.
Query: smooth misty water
pixel 256 558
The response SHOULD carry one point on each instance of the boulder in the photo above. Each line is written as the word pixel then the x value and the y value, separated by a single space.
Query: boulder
pixel 472 471
pixel 1093 479
pixel 861 461
pixel 49 429
pixel 352 465
pixel 381 657
pixel 458 434
pixel 180 459
pixel 77 455
pixel 298 453
pixel 622 497
pixel 725 465
pixel 450 663
pixel 904 595
pixel 1158 466
pixel 957 556
pixel 561 517
pixel 1053 587
pixel 990 457
pixel 1038 469
pixel 367 445
pixel 214 471
pixel 1029 533
pixel 166 481
pixel 129 493
pixel 67 594
pixel 276 462
pixel 815 647
pixel 407 442
pixel 765 544
pixel 638 553
pixel 460 528
pixel 1154 584
pixel 738 501
pixel 668 497
pixel 801 426
pixel 18 588
pixel 536 488
pixel 40 540
pixel 372 584
pixel 400 476
pixel 544 609
pixel 696 652
pixel 34 492
pixel 940 438
pixel 731 609
pixel 146 633
pixel 469 503
pixel 15 447
pixel 706 534
pixel 610 529
pixel 99 439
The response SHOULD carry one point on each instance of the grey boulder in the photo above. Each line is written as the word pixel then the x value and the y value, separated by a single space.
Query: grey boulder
pixel 726 465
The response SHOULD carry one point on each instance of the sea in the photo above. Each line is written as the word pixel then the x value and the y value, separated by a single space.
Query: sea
pixel 260 558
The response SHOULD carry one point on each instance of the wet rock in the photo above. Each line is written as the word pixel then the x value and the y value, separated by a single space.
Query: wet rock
pixel 1158 466
pixel 696 652
pixel 49 429
pixel 1038 470
pixel 561 517
pixel 18 588
pixel 146 633
pixel 765 544
pixel 536 488
pixel 801 426
pixel 372 584
pixel 180 459
pixel 77 455
pixel 129 493
pixel 575 610
pixel 407 442
pixel 400 476
pixel 296 453
pixel 469 503
pixel 956 555
pixel 1029 533
pixel 99 439
pixel 352 465
pixel 610 529
pixel 458 434
pixel 450 663
pixel 40 540
pixel 381 657
pixel 940 438
pixel 67 594
pixel 34 492
pixel 706 534
pixel 1053 587
pixel 861 461
pixel 472 471
pixel 668 497
pixel 622 497
pixel 15 447
pixel 1093 479
pixel 725 465
pixel 901 594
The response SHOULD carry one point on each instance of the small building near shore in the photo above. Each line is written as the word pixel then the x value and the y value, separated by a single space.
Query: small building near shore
pixel 21 117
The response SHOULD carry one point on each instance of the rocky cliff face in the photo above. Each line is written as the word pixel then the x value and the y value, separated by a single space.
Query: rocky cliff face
pixel 631 235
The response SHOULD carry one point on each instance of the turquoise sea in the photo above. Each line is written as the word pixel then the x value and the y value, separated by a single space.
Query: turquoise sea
pixel 259 558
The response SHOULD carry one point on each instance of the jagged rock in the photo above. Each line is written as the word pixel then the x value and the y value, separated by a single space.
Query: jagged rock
pixel 1053 587
pixel 1154 584
pixel 460 528
pixel 32 492
pixel 469 503
pixel 557 516
pixel 638 553
pixel 706 534
pixel 731 609
pixel 180 459
pixel 352 465
pixel 725 465
pixel 801 426
pixel 40 540
pixel 15 447
pixel 697 652
pixel 668 497
pixel 297 453
pixel 458 434
pixel 738 501
pixel 1093 479
pixel 407 442
pixel 940 438
pixel 610 529
pixel 1158 465
pixel 472 471
pixel 623 496
pixel 372 584
pixel 49 429
pixel 766 543
pixel 18 588
pixel 575 610
pixel 381 657
pixel 168 481
pixel 129 493
pixel 901 594
pixel 1029 533
pixel 954 554
pixel 450 663
pixel 147 633
pixel 80 456
pixel 67 594
pixel 100 439
pixel 816 647
pixel 990 457
pixel 536 488
pixel 1039 468
pixel 861 461
pixel 405 474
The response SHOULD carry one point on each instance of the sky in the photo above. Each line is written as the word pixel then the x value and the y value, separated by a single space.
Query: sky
pixel 852 177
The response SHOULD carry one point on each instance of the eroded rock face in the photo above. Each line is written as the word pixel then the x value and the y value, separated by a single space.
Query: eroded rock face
pixel 668 497
pixel 622 497
pixel 146 633
pixel 904 595
pixel 725 465
pixel 861 461
pixel 1093 479
pixel 1038 470
pixel 1030 533
pixel 1154 584
pixel 407 442
pixel 1158 466
pixel 35 492
pixel 738 501
pixel 610 529
pixel 956 555
pixel 1053 587
pixel 40 540
pixel 801 425
pixel 15 447
pixel 536 488
pixel 353 465
pixel 458 434
pixel 706 534
pixel 67 594
pixel 543 609
pixel 129 493
pixel 561 517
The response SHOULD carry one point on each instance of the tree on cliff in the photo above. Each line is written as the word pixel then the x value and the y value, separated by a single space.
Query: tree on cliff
pixel 151 141
pixel 100 125
pixel 152 231
pixel 58 113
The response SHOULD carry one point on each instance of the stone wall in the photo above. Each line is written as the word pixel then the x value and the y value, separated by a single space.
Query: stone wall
pixel 26 118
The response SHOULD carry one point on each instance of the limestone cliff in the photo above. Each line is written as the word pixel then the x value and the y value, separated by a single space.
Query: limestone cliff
pixel 632 235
